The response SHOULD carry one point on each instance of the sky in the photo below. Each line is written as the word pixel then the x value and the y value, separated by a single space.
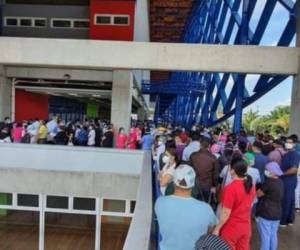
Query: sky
pixel 280 95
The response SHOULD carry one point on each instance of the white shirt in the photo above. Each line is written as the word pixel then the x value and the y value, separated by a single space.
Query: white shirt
pixel 193 147
pixel 91 137
pixel 167 170
pixel 253 172
pixel 159 150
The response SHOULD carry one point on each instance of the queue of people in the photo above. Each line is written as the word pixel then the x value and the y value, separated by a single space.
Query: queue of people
pixel 92 133
pixel 218 185
pixel 214 184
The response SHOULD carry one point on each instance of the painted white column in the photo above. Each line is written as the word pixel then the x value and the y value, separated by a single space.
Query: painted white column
pixel 121 100
pixel 5 97
pixel 295 102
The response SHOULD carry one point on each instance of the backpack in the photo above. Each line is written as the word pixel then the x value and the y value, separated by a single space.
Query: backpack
pixel 211 242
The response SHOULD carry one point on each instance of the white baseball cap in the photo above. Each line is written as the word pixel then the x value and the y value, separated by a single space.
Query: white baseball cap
pixel 184 176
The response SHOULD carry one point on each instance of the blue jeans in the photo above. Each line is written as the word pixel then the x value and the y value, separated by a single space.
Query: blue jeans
pixel 268 233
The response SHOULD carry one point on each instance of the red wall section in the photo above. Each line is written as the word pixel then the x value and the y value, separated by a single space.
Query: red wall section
pixel 31 105
pixel 112 32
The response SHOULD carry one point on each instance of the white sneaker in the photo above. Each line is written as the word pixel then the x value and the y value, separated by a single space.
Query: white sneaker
pixel 282 225
pixel 290 224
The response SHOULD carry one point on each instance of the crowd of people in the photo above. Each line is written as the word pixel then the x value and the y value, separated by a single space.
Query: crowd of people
pixel 213 184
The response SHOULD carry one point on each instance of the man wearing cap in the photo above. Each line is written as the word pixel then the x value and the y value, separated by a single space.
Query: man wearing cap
pixel 181 218
pixel 269 208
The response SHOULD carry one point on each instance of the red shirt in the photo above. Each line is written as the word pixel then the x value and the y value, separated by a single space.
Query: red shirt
pixel 240 203
pixel 121 141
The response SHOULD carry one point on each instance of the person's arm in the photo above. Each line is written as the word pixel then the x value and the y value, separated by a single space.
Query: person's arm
pixel 165 180
pixel 291 171
pixel 225 214
pixel 215 176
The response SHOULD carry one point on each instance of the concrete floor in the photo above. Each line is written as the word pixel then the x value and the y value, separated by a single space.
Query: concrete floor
pixel 289 237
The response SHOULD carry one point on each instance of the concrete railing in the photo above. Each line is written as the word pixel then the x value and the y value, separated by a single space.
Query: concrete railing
pixel 76 171
pixel 138 236
pixel 82 172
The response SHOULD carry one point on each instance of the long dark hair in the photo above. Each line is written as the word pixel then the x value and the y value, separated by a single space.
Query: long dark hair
pixel 240 168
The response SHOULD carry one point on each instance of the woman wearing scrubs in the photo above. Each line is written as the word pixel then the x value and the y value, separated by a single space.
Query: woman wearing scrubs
pixel 238 197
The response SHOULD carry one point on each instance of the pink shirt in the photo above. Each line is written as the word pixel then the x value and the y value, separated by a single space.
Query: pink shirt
pixel 17 134
pixel 121 141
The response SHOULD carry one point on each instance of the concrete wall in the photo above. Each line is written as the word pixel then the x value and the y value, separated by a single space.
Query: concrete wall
pixel 46 11
pixel 153 56
pixel 58 74
pixel 73 171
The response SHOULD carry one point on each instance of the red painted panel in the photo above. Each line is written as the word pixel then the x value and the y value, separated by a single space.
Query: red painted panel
pixel 31 106
pixel 112 32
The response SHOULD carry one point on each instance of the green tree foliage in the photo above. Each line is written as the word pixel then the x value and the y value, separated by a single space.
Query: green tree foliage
pixel 276 121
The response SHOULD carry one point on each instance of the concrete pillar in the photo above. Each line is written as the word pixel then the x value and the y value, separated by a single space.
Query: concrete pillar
pixel 5 97
pixel 141 114
pixel 121 100
pixel 295 102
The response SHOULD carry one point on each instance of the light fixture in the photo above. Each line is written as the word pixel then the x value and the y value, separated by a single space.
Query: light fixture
pixel 73 94
pixel 96 95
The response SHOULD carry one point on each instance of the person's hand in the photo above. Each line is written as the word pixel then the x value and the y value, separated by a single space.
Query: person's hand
pixel 216 231
pixel 213 190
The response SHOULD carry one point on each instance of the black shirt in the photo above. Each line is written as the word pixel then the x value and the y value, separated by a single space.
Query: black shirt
pixel 269 206
pixel 108 141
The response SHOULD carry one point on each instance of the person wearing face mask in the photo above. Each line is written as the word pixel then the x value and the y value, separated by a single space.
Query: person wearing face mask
pixel 121 139
pixel 170 162
pixel 268 210
pixel 158 150
pixel 289 167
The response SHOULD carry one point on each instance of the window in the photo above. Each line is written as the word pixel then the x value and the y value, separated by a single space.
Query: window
pixel 84 204
pixel 5 199
pixel 82 24
pixel 103 19
pixel 121 20
pixel 28 200
pixel 11 21
pixel 26 22
pixel 57 202
pixel 40 23
pixel 61 23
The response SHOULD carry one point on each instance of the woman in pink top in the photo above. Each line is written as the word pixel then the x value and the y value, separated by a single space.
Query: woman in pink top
pixel 121 139
pixel 17 132
pixel 132 139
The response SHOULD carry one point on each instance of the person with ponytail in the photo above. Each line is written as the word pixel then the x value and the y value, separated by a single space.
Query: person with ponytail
pixel 237 200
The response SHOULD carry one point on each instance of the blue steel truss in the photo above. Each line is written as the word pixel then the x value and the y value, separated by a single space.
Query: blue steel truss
pixel 220 22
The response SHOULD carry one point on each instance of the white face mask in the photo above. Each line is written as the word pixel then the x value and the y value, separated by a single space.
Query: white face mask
pixel 268 174
pixel 159 143
pixel 289 145
pixel 166 159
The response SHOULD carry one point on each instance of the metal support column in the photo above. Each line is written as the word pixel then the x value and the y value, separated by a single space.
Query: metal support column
pixel 241 78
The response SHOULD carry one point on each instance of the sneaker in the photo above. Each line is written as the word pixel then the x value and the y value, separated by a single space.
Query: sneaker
pixel 282 225
pixel 290 224
pixel 297 210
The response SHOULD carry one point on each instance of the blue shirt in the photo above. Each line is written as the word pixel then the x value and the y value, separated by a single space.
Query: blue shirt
pixel 289 160
pixel 147 141
pixel 193 147
pixel 260 164
pixel 182 221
